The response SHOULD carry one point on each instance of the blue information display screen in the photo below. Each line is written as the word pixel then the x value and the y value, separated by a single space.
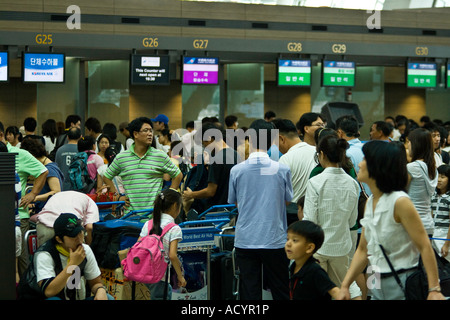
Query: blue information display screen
pixel 3 66
pixel 43 67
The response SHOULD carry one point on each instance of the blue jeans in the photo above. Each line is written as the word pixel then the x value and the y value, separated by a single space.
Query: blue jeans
pixel 157 290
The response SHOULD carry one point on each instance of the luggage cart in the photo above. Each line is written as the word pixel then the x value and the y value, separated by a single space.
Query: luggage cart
pixel 199 236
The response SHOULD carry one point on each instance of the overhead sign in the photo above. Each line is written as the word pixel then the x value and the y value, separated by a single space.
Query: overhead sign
pixel 294 72
pixel 200 70
pixel 4 66
pixel 338 73
pixel 43 67
pixel 147 69
pixel 421 75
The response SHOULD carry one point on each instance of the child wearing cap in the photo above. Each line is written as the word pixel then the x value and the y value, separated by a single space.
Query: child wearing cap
pixel 68 243
pixel 308 281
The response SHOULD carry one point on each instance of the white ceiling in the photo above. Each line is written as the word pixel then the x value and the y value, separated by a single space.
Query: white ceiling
pixel 349 4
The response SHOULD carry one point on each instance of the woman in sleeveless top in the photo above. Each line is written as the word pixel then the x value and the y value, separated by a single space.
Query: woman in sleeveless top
pixel 391 220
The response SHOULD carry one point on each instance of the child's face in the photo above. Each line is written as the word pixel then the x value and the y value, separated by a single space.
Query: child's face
pixel 297 246
pixel 442 182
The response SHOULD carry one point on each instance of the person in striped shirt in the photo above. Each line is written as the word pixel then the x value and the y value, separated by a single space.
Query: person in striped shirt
pixel 440 206
pixel 142 168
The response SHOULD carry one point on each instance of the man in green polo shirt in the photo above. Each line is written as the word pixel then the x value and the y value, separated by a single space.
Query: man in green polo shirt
pixel 142 167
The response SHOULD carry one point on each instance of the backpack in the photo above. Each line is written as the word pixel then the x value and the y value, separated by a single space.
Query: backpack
pixel 28 288
pixel 79 177
pixel 145 261
pixel 60 141
pixel 197 179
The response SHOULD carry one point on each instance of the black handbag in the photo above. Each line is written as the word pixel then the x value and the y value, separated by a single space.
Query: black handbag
pixel 416 285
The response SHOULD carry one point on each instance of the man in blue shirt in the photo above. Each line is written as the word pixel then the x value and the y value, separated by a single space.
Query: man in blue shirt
pixel 260 188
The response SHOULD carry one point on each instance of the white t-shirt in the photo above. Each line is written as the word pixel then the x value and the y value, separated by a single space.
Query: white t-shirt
pixel 45 268
pixel 300 159
pixel 174 233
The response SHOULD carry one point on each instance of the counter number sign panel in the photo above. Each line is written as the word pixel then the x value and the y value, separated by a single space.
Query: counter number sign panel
pixel 294 72
pixel 3 66
pixel 338 73
pixel 421 75
pixel 43 67
pixel 200 70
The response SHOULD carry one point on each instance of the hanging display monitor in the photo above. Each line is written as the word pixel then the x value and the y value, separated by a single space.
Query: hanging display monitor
pixel 421 75
pixel 148 69
pixel 200 70
pixel 338 73
pixel 43 67
pixel 448 75
pixel 4 66
pixel 294 72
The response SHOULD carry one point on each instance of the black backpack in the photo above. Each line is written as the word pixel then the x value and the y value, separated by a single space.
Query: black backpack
pixel 60 141
pixel 197 179
pixel 28 288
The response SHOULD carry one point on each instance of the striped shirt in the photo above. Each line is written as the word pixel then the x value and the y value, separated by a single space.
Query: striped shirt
pixel 440 206
pixel 142 177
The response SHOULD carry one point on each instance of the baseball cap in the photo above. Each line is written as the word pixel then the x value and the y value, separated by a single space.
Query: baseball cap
pixel 161 118
pixel 67 224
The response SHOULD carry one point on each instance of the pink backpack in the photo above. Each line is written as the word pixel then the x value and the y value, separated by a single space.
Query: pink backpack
pixel 145 261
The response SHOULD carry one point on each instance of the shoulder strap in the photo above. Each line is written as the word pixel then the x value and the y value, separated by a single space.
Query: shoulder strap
pixel 167 228
pixel 392 269
pixel 164 231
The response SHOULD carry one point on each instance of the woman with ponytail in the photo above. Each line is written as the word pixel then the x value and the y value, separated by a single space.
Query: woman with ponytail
pixel 166 209
pixel 331 201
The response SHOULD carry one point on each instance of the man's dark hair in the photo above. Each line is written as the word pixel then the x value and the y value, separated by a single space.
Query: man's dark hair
pixel 306 120
pixel 262 137
pixel 269 114
pixel 349 125
pixel 93 124
pixel 286 127
pixel 206 134
pixel 74 133
pixel 30 124
pixel 136 125
pixel 73 118
pixel 230 120
pixel 190 124
pixel 311 231
pixel 386 164
pixel 384 127
pixel 111 130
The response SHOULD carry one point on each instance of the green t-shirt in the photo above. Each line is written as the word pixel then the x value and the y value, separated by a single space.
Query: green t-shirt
pixel 26 165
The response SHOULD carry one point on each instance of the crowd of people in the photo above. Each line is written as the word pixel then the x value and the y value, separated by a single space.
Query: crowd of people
pixel 296 186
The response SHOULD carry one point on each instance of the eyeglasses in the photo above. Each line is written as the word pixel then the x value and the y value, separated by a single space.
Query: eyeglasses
pixel 146 131
pixel 320 125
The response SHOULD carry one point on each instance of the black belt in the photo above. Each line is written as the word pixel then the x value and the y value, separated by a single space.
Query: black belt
pixel 390 274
